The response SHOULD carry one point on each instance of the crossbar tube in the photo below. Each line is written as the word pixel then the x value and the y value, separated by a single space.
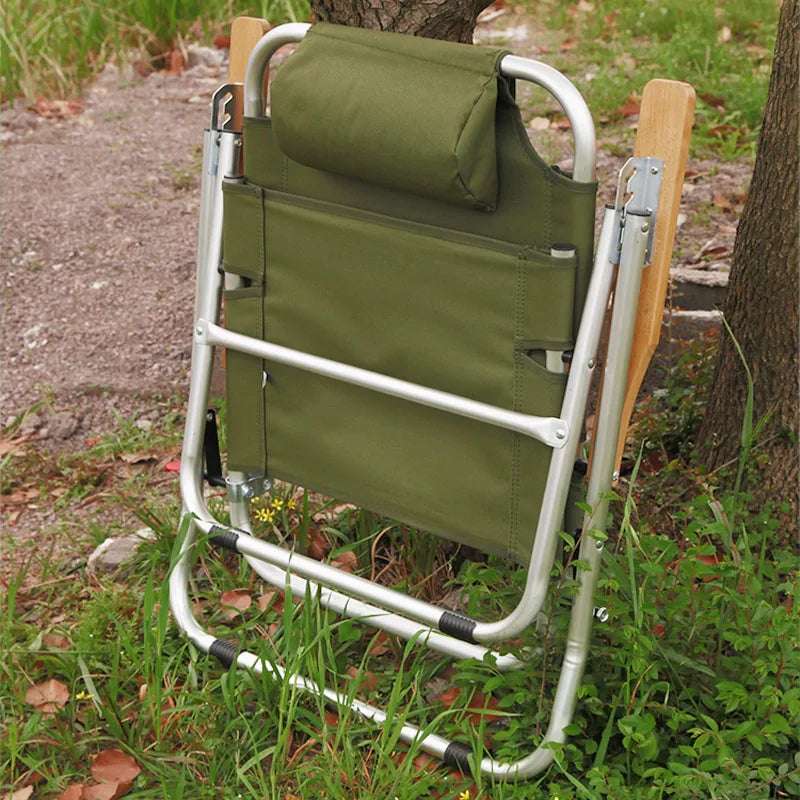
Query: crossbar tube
pixel 552 431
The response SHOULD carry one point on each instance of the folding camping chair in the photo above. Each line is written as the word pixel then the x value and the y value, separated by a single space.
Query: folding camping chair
pixel 413 311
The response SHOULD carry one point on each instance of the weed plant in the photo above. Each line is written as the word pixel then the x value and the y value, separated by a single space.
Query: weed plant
pixel 611 49
pixel 51 48
pixel 692 689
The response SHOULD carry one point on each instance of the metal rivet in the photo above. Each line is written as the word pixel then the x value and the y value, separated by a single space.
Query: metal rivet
pixel 591 363
pixel 198 330
pixel 615 476
pixel 645 227
pixel 561 435
pixel 654 170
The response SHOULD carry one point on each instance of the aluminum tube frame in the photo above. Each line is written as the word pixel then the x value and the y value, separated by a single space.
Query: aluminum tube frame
pixel 527 69
pixel 562 461
pixel 615 372
pixel 600 481
pixel 551 431
pixel 349 606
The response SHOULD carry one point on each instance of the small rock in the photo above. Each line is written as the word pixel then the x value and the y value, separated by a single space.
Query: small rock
pixel 117 550
pixel 701 277
pixel 197 56
pixel 71 564
pixel 143 424
pixel 63 425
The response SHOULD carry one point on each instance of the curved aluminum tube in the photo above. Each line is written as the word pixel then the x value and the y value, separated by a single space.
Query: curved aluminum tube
pixel 345 605
pixel 578 114
pixel 512 66
pixel 259 58
pixel 562 461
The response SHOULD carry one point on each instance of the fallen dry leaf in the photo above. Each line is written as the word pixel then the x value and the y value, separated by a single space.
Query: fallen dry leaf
pixel 48 696
pixel 236 598
pixel 539 124
pixel 19 794
pixel 631 107
pixel 113 765
pixel 106 791
pixel 137 458
pixel 367 680
pixel 57 109
pixel 56 641
pixel 347 561
pixel 570 43
pixel 271 599
pixel 381 644
pixel 720 201
pixel 713 100
pixel 12 445
pixel 561 124
pixel 318 545
pixel 448 697
pixel 725 131
pixel 175 63
pixel 332 719
pixel 19 497
pixel 72 792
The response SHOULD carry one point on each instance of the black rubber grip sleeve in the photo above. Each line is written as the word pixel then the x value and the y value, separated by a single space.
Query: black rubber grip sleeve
pixel 223 537
pixel 457 755
pixel 224 650
pixel 457 626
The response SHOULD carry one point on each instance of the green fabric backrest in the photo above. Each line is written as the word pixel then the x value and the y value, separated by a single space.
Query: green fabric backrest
pixel 399 111
pixel 425 290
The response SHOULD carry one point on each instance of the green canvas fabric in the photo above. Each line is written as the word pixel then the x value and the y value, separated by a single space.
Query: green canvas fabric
pixel 454 298
pixel 399 111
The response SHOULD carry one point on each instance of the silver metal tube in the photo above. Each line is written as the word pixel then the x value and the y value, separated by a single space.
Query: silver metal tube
pixel 178 595
pixel 562 462
pixel 209 290
pixel 513 66
pixel 259 58
pixel 346 605
pixel 620 337
pixel 207 186
pixel 311 569
pixel 551 431
pixel 578 114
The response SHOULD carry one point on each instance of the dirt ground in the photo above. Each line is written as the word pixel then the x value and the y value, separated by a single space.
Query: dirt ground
pixel 99 225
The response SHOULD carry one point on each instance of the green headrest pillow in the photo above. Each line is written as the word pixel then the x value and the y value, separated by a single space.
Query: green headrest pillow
pixel 408 113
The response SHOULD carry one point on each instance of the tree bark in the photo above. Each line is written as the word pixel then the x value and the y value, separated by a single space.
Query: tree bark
pixel 453 20
pixel 762 304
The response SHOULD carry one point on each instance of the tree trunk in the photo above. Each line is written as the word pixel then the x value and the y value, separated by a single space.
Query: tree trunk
pixel 762 303
pixel 436 19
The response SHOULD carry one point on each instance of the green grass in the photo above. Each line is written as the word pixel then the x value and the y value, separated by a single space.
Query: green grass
pixel 51 49
pixel 723 50
pixel 692 688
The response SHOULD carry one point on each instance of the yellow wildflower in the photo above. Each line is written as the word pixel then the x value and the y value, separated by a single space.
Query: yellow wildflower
pixel 264 515
pixel 465 795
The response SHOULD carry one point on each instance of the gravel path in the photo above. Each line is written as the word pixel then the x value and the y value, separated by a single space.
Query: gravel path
pixel 99 220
